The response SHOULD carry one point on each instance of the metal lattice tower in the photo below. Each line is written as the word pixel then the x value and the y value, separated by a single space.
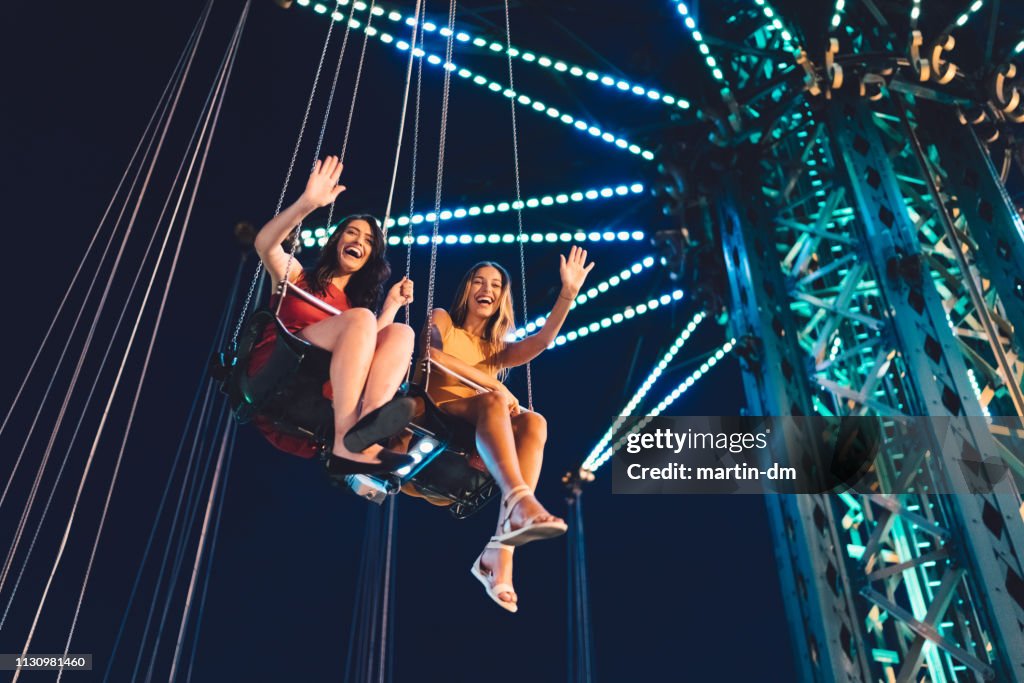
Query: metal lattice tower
pixel 874 262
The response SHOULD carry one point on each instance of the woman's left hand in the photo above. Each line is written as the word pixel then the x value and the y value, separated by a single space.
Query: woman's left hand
pixel 401 293
pixel 574 270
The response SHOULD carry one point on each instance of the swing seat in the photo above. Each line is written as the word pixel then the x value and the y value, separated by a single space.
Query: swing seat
pixel 288 392
pixel 451 472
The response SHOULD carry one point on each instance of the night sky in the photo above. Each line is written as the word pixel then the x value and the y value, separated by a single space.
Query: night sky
pixel 681 588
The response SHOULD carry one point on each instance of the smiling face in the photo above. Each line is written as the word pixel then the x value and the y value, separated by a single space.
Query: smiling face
pixel 483 304
pixel 355 246
pixel 486 290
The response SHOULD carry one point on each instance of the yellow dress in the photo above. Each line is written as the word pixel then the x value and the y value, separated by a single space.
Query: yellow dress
pixel 444 388
pixel 468 348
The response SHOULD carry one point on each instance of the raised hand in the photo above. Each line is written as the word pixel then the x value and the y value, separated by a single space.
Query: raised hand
pixel 322 188
pixel 401 293
pixel 574 270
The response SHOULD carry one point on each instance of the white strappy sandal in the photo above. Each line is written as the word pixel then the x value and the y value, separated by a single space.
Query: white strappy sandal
pixel 484 577
pixel 531 530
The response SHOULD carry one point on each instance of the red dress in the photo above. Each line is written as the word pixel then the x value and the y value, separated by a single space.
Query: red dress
pixel 295 314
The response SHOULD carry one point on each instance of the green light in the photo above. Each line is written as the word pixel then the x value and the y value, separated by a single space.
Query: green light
pixel 776 25
pixel 971 11
pixel 598 457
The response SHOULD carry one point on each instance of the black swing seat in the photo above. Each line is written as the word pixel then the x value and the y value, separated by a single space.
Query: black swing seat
pixel 448 470
pixel 288 391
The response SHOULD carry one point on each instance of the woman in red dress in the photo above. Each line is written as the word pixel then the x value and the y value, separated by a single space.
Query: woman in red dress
pixel 370 353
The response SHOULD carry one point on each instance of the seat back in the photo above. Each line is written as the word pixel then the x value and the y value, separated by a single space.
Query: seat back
pixel 288 389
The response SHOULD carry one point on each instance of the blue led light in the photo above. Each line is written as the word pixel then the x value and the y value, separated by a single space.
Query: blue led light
pixel 530 203
pixel 557 65
pixel 698 38
pixel 493 86
pixel 969 12
pixel 645 387
pixel 595 459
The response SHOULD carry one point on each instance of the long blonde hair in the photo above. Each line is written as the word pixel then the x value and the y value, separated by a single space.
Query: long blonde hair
pixel 501 323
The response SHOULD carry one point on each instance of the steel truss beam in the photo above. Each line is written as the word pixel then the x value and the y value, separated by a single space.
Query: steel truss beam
pixel 974 194
pixel 864 276
pixel 828 643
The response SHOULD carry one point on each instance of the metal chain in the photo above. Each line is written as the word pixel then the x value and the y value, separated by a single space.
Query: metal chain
pixel 519 202
pixel 293 241
pixel 440 176
pixel 287 180
pixel 352 102
pixel 412 180
pixel 401 123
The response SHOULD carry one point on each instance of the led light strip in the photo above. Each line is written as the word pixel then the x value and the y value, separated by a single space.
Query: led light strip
pixel 837 15
pixel 977 391
pixel 776 23
pixel 531 203
pixel 646 386
pixel 494 86
pixel 915 13
pixel 969 12
pixel 533 238
pixel 592 463
pixel 698 38
pixel 628 313
pixel 1018 48
pixel 318 237
pixel 592 293
pixel 527 56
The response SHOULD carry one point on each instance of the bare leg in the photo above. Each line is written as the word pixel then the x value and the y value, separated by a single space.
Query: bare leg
pixel 530 432
pixel 387 370
pixel 495 441
pixel 352 338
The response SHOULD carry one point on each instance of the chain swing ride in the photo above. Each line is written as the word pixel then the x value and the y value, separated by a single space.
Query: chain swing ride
pixel 859 241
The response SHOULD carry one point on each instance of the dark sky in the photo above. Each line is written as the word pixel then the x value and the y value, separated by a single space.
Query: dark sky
pixel 681 588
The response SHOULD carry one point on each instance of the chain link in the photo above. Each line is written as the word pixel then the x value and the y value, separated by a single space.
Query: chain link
pixel 415 157
pixel 440 175
pixel 401 124
pixel 352 102
pixel 287 180
pixel 519 202
pixel 293 241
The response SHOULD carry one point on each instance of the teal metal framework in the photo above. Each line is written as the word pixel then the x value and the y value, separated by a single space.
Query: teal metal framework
pixel 875 268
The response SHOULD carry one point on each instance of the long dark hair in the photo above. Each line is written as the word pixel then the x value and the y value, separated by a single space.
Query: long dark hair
pixel 366 286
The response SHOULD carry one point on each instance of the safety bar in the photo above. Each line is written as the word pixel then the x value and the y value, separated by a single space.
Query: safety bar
pixel 311 300
pixel 468 382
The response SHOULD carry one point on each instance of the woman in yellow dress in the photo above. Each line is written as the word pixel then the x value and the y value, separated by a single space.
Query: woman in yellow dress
pixel 471 341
